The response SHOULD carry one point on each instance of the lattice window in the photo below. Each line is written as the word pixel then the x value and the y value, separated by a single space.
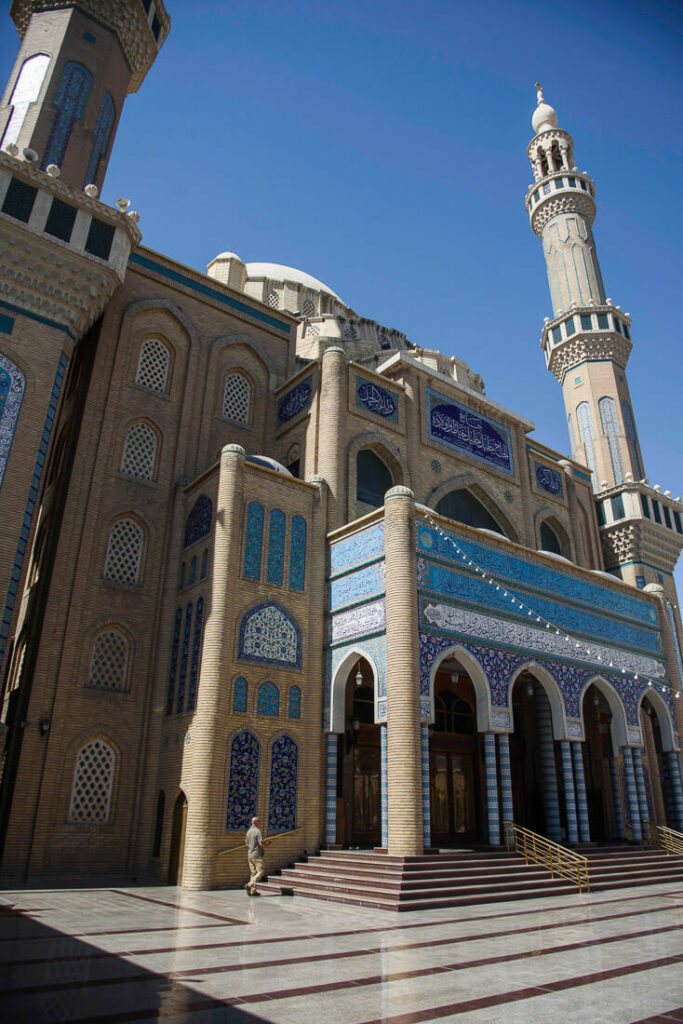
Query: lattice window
pixel 124 554
pixel 103 126
pixel 93 783
pixel 236 398
pixel 312 330
pixel 109 661
pixel 272 299
pixel 308 307
pixel 70 100
pixel 139 452
pixel 153 365
pixel 350 332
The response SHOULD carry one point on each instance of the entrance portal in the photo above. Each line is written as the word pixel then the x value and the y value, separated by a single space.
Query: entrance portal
pixel 453 760
pixel 597 718
pixel 359 767
pixel 175 867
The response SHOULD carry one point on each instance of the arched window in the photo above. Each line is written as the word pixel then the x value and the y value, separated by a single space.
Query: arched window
pixel 12 385
pixel 297 554
pixel 308 307
pixel 93 783
pixel 549 540
pixel 630 425
pixel 584 422
pixel 184 657
pixel 236 399
pixel 106 116
pixel 192 578
pixel 295 702
pixel 464 507
pixel 70 100
pixel 293 462
pixel 243 781
pixel 373 478
pixel 153 365
pixel 124 553
pixel 253 541
pixel 283 785
pixel 350 332
pixel 610 428
pixel 272 299
pixel 239 697
pixel 268 700
pixel 198 523
pixel 276 547
pixel 26 91
pixel 173 667
pixel 109 660
pixel 205 565
pixel 181 580
pixel 196 653
pixel 139 452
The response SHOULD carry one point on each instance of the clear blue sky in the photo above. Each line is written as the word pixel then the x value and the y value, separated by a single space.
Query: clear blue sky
pixel 382 147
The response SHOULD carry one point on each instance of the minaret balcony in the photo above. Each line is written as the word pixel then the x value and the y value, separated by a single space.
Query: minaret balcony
pixel 639 523
pixel 62 252
pixel 560 192
pixel 588 332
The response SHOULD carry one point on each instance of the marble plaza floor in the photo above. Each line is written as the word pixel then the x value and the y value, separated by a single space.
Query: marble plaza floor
pixel 141 954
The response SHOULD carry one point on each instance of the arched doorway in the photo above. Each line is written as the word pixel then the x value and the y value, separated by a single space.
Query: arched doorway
pixel 454 758
pixel 537 778
pixel 655 767
pixel 598 755
pixel 175 866
pixel 359 768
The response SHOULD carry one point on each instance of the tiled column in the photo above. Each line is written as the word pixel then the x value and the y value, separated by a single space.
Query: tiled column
pixel 404 769
pixel 505 778
pixel 384 788
pixel 632 795
pixel 672 758
pixel 616 796
pixel 331 791
pixel 668 792
pixel 569 797
pixel 546 748
pixel 581 801
pixel 426 801
pixel 492 788
pixel 640 785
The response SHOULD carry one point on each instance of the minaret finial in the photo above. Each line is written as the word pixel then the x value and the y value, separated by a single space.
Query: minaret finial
pixel 539 93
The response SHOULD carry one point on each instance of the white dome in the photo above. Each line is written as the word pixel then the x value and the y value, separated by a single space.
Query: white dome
pixel 277 272
pixel 226 256
pixel 545 118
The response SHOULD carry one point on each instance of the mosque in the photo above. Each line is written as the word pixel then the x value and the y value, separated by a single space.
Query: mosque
pixel 260 554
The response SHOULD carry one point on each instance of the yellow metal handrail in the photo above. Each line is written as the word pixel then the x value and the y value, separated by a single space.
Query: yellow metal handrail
pixel 667 838
pixel 270 839
pixel 558 859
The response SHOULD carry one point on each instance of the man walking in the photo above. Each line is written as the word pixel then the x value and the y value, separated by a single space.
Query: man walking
pixel 255 844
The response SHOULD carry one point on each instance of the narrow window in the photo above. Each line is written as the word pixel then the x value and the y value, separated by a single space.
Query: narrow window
pixel 153 365
pixel 236 399
pixel 93 784
pixel 124 554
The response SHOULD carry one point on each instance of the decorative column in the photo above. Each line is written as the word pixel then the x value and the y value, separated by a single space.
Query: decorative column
pixel 204 758
pixel 546 748
pixel 640 785
pixel 672 757
pixel 632 795
pixel 667 791
pixel 384 787
pixel 569 797
pixel 331 790
pixel 505 779
pixel 426 801
pixel 332 460
pixel 404 772
pixel 492 788
pixel 581 801
pixel 616 796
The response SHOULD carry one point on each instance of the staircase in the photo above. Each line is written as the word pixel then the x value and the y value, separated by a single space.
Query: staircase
pixel 464 877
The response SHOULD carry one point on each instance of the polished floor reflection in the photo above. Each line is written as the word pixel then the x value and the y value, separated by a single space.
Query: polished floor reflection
pixel 142 954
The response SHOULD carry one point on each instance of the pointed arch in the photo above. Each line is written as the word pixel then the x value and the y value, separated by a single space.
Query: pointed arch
pixel 470 483
pixel 552 691
pixel 338 686
pixel 666 726
pixel 477 677
pixel 616 706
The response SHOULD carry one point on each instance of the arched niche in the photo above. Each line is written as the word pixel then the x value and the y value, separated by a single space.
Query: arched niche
pixel 468 483
pixel 661 710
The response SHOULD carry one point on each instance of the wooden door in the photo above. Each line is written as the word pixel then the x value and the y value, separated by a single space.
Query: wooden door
pixel 175 867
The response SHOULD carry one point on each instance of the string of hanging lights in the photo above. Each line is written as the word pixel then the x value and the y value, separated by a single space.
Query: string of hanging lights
pixel 532 613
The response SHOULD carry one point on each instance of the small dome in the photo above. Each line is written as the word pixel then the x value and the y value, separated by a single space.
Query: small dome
pixel 545 116
pixel 277 272
pixel 226 256
pixel 268 463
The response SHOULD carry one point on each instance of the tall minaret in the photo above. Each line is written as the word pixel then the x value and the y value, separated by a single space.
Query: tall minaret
pixel 76 64
pixel 586 346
